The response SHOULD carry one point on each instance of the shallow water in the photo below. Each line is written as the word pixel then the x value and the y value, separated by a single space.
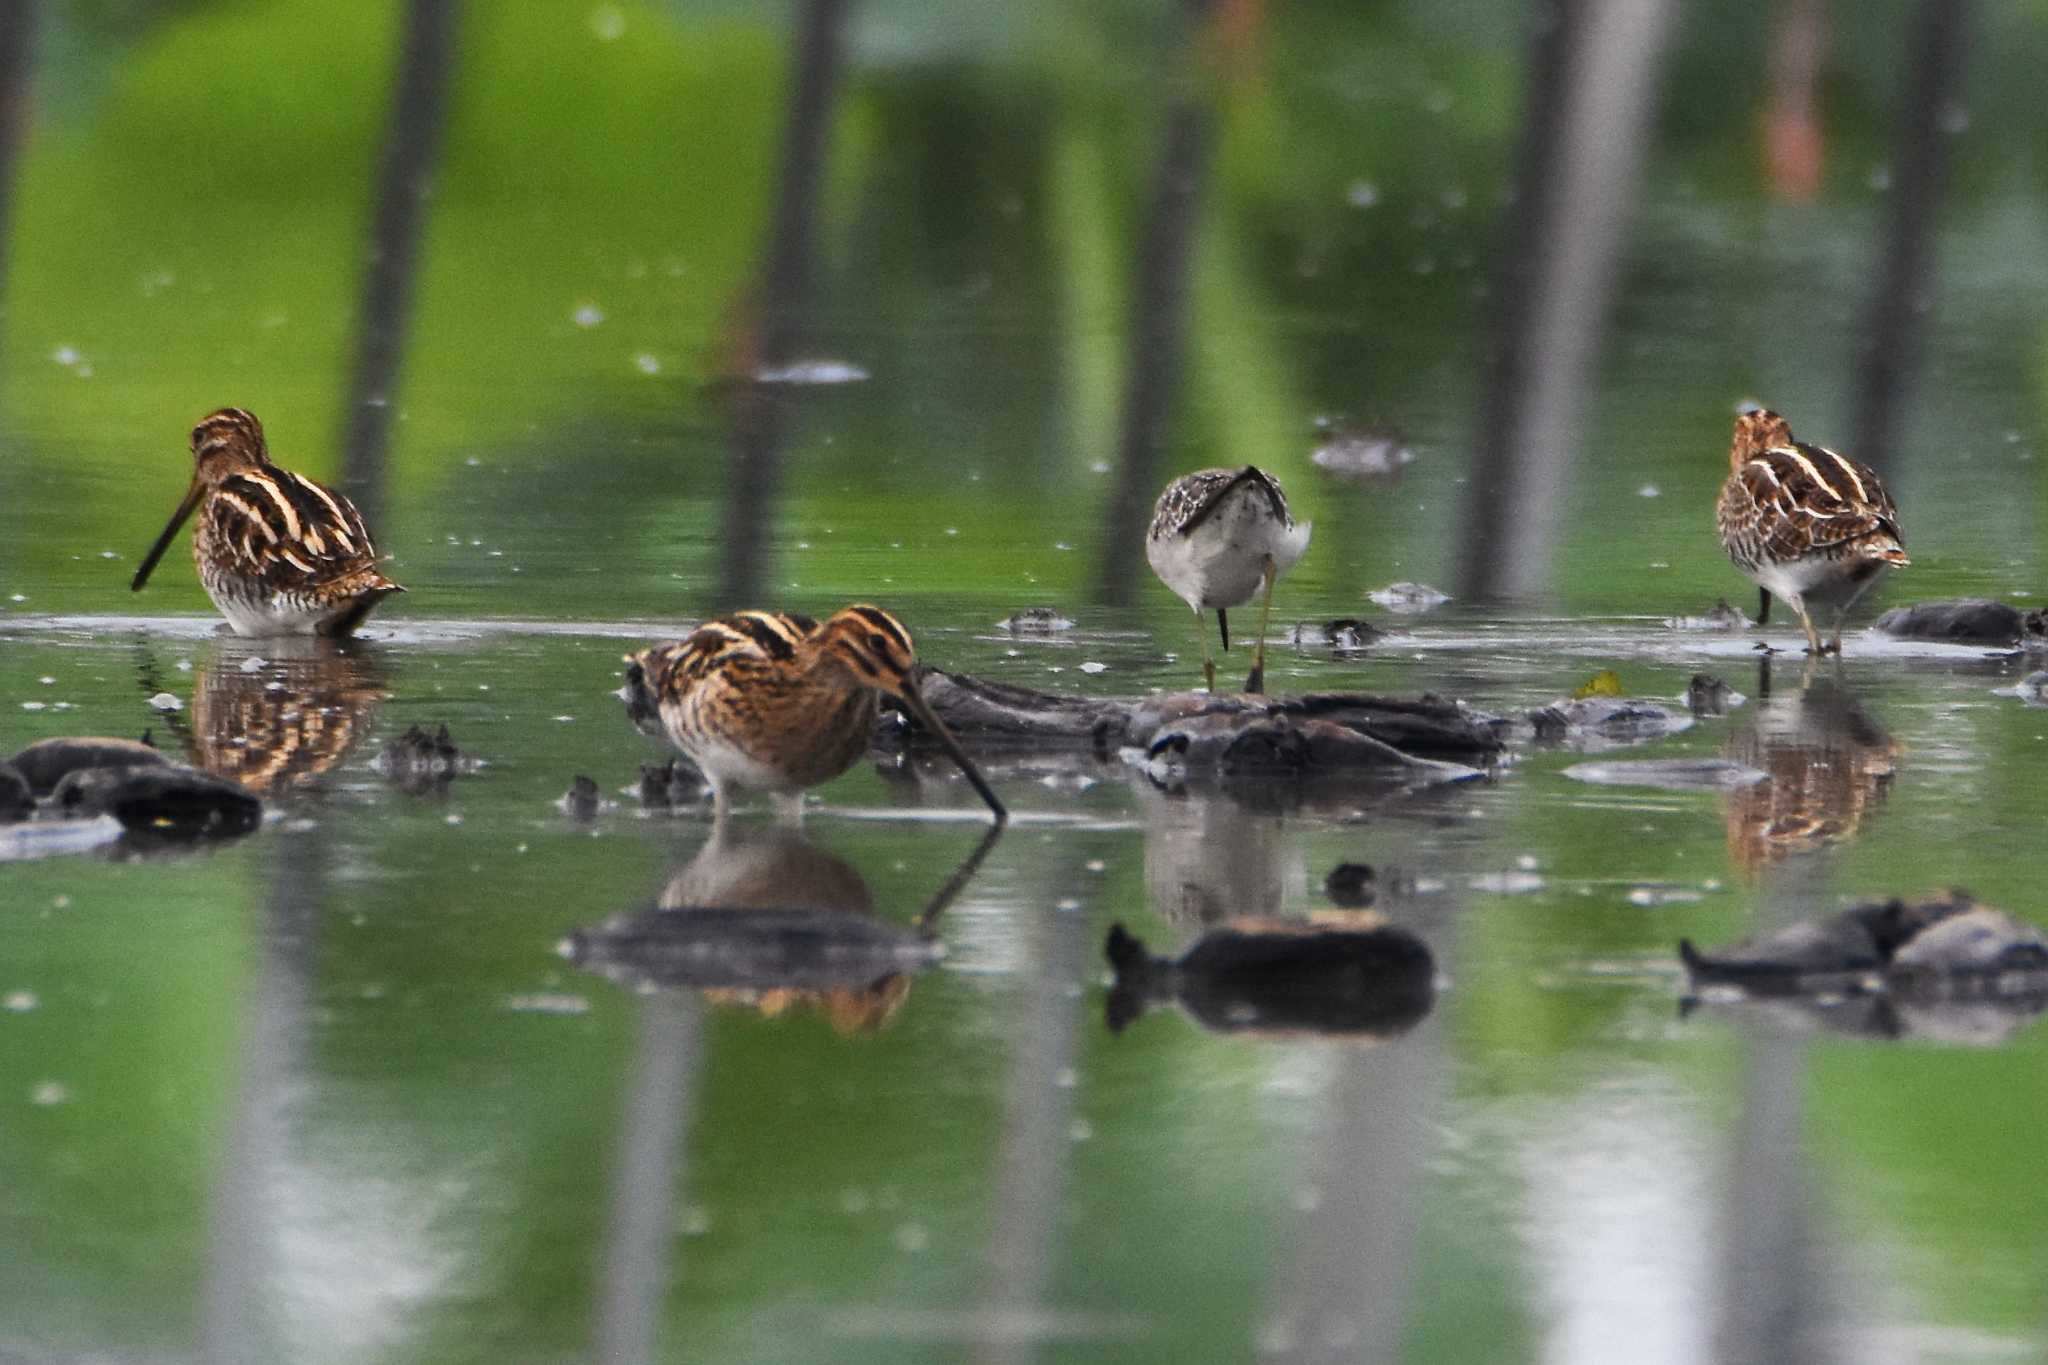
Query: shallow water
pixel 333 1092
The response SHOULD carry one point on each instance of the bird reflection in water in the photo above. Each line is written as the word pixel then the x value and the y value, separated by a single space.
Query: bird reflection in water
pixel 765 920
pixel 1828 766
pixel 277 719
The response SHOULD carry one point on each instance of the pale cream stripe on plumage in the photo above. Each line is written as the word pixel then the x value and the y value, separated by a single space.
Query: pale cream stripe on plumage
pixel 1811 468
pixel 1862 494
pixel 1769 473
pixel 249 513
pixel 340 525
pixel 284 505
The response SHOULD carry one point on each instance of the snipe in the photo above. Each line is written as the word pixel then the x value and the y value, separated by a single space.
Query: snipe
pixel 278 553
pixel 1217 537
pixel 1805 523
pixel 777 702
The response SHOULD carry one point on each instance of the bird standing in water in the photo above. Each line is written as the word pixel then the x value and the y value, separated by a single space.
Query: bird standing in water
pixel 1217 536
pixel 278 553
pixel 777 702
pixel 1805 523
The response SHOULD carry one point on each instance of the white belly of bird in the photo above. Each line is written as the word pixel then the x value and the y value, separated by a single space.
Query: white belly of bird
pixel 728 767
pixel 1814 579
pixel 269 615
pixel 1223 563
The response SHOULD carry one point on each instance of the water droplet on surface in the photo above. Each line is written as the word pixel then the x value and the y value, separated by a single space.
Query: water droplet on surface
pixel 20 1002
pixel 607 23
pixel 912 1238
pixel 587 315
pixel 49 1093
pixel 646 363
pixel 164 701
pixel 1363 194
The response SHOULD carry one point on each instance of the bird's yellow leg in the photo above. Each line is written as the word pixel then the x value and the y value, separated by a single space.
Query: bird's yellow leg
pixel 1208 659
pixel 1257 681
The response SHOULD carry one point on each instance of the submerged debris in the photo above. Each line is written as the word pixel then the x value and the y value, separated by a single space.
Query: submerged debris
pixel 1036 621
pixel 1674 774
pixel 17 801
pixel 1946 966
pixel 1363 453
pixel 1344 635
pixel 83 783
pixel 582 801
pixel 667 785
pixel 46 762
pixel 1720 616
pixel 1352 886
pixel 1409 598
pixel 1707 695
pixel 1604 722
pixel 1967 621
pixel 419 760
pixel 1344 973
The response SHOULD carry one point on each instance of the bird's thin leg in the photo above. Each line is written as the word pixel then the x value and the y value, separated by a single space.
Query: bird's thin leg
pixel 1208 659
pixel 721 804
pixel 1257 681
pixel 1763 607
pixel 1813 644
pixel 789 807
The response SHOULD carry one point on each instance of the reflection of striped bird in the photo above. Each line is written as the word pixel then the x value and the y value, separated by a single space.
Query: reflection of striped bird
pixel 278 553
pixel 1803 522
pixel 777 702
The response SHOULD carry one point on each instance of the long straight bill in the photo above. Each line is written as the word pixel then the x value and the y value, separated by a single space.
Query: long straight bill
pixel 163 542
pixel 925 717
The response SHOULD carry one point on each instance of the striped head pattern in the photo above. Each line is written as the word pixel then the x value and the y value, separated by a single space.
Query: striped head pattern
pixel 1757 431
pixel 871 645
pixel 227 442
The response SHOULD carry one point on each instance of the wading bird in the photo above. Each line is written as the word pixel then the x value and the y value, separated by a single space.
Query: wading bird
pixel 776 702
pixel 278 553
pixel 1805 523
pixel 1217 535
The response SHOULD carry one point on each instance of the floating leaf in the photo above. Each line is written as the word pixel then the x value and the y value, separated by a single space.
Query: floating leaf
pixel 1605 683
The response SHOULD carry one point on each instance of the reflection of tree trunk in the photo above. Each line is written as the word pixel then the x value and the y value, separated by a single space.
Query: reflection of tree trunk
pixel 1770 1302
pixel 1158 327
pixel 1342 1292
pixel 404 175
pixel 640 1236
pixel 17 32
pixel 237 1320
pixel 1592 91
pixel 1904 289
pixel 756 463
pixel 1035 1143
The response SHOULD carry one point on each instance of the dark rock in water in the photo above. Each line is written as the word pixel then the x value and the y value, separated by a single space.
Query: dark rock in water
pixel 172 801
pixel 1594 720
pixel 1346 974
pixel 1966 621
pixel 670 784
pixel 46 762
pixel 582 800
pixel 1036 621
pixel 1944 947
pixel 1707 695
pixel 708 948
pixel 1352 886
pixel 1239 745
pixel 420 760
pixel 642 706
pixel 1427 727
pixel 17 801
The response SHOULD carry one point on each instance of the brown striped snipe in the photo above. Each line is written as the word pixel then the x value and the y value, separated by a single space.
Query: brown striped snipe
pixel 1804 523
pixel 277 553
pixel 777 702
pixel 1217 537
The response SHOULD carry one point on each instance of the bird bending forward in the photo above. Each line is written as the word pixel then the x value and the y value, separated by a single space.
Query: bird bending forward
pixel 1804 523
pixel 1217 537
pixel 777 702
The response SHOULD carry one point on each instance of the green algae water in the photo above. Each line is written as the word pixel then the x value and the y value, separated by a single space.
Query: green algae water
pixel 337 1091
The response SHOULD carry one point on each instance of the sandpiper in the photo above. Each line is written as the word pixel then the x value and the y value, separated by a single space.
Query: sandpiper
pixel 1217 537
pixel 777 702
pixel 278 553
pixel 1804 522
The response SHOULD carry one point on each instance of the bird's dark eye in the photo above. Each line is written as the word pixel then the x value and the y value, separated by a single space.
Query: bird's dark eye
pixel 879 644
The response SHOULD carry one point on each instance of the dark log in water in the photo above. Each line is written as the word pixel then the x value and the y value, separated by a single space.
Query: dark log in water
pixel 1350 974
pixel 1967 621
pixel 162 799
pixel 47 762
pixel 16 800
pixel 1316 730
